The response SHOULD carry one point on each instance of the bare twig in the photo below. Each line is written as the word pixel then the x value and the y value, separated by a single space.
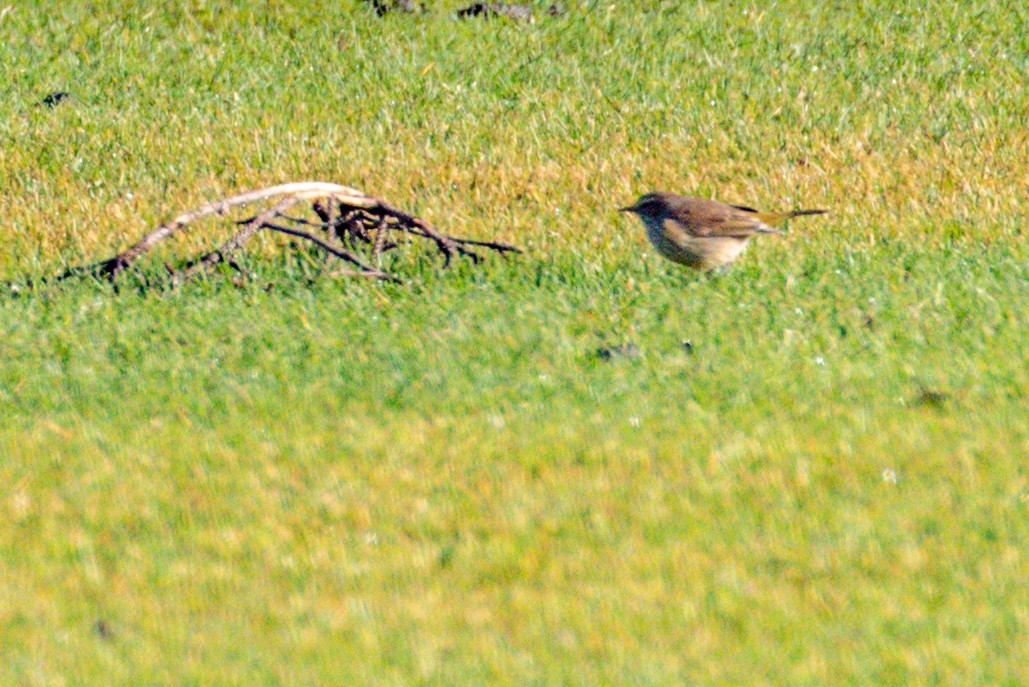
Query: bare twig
pixel 350 257
pixel 224 252
pixel 444 243
pixel 493 245
pixel 380 238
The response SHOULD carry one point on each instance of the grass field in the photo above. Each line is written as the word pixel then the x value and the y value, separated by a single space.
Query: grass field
pixel 300 479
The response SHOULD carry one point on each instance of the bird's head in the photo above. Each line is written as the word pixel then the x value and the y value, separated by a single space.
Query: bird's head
pixel 652 205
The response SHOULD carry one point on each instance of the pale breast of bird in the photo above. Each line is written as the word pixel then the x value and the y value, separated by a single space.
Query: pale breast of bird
pixel 675 243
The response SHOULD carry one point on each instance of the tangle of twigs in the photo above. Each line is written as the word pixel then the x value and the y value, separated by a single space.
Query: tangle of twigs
pixel 345 219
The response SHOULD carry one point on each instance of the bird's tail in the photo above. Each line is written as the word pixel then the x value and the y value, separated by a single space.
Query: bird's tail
pixel 774 218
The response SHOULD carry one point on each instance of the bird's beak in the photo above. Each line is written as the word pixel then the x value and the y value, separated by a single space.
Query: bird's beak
pixel 631 208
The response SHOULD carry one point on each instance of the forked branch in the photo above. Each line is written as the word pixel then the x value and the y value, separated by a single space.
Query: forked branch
pixel 347 217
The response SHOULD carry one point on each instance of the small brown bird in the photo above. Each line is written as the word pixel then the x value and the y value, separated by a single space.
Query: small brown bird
pixel 700 233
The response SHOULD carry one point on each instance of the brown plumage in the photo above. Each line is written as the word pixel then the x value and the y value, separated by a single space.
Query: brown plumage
pixel 701 233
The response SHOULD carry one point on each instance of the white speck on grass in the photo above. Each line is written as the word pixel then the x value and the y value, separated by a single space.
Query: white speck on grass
pixel 20 502
pixel 819 360
pixel 889 476
pixel 497 420
pixel 634 421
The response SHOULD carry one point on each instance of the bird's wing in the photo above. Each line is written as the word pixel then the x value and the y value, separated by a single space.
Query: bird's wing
pixel 715 219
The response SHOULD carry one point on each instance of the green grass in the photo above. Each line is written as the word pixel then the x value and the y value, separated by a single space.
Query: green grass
pixel 308 480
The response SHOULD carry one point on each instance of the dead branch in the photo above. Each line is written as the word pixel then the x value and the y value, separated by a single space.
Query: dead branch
pixel 345 215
